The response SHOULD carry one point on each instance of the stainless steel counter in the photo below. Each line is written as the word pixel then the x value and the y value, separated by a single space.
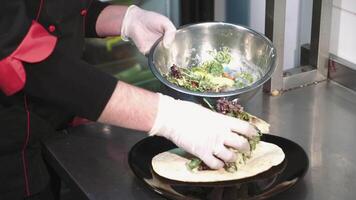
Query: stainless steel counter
pixel 322 119
pixel 92 159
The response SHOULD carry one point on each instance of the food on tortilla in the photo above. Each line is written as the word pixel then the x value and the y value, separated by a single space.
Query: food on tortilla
pixel 179 165
pixel 234 109
pixel 217 74
pixel 173 165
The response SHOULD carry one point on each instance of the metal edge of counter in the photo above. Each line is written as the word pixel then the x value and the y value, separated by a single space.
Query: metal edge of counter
pixel 63 174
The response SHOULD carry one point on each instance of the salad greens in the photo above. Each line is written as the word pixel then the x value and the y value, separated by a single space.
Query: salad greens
pixel 210 76
pixel 233 109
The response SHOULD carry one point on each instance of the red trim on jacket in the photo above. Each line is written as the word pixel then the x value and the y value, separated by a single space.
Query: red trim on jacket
pixel 37 45
pixel 24 152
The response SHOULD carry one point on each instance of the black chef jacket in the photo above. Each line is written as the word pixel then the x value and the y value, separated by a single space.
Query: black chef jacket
pixel 56 89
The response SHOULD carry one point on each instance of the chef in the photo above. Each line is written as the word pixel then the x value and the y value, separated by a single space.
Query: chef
pixel 44 83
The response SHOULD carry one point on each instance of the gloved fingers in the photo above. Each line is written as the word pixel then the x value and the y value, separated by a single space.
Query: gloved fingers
pixel 168 38
pixel 224 154
pixel 162 27
pixel 167 25
pixel 252 131
pixel 167 29
pixel 144 49
pixel 237 142
pixel 241 127
pixel 212 162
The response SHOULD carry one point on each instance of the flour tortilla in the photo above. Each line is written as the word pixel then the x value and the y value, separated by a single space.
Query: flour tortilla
pixel 262 125
pixel 172 165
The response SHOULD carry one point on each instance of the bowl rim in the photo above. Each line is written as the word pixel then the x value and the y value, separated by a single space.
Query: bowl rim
pixel 177 88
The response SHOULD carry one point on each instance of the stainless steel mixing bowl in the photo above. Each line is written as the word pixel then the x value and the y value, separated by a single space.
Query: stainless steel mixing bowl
pixel 190 48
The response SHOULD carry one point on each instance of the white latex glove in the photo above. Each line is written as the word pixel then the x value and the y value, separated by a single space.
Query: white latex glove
pixel 144 28
pixel 200 131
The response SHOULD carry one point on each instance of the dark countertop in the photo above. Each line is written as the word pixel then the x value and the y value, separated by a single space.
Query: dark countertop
pixel 92 159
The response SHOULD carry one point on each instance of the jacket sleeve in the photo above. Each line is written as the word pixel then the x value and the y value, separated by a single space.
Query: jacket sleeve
pixel 93 13
pixel 55 77
pixel 70 84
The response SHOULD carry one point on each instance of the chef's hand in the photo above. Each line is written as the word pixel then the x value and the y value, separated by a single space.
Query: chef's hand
pixel 145 27
pixel 201 132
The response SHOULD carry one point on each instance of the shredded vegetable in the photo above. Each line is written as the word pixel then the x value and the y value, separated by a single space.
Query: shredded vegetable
pixel 210 76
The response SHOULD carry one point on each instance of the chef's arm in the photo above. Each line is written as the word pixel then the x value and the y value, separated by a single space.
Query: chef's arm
pixel 196 129
pixel 131 107
pixel 140 26
pixel 110 20
pixel 104 19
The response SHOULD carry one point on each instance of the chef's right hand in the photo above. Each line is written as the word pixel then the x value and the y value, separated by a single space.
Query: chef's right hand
pixel 200 131
pixel 144 28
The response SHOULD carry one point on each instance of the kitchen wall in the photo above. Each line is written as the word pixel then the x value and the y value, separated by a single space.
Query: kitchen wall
pixel 257 15
pixel 298 26
pixel 298 22
pixel 220 10
pixel 343 30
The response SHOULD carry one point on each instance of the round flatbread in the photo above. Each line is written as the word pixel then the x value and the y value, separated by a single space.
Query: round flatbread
pixel 172 165
pixel 262 125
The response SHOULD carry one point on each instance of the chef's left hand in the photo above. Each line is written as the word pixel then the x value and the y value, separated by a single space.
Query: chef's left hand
pixel 144 28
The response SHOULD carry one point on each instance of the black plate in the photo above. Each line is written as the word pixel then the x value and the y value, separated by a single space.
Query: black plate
pixel 264 185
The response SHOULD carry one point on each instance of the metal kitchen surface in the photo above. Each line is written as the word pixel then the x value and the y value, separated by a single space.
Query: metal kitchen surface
pixel 92 159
